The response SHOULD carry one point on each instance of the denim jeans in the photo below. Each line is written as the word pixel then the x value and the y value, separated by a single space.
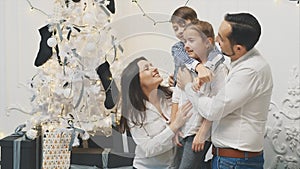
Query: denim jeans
pixel 238 163
pixel 186 158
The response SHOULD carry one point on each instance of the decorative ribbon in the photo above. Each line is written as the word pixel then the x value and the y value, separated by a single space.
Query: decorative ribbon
pixel 18 130
pixel 125 142
pixel 76 54
pixel 105 10
pixel 17 145
pixel 80 95
pixel 73 135
pixel 59 32
pixel 64 65
pixel 17 153
pixel 121 48
pixel 105 154
pixel 115 45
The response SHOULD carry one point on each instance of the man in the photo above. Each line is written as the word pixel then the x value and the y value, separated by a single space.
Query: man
pixel 239 110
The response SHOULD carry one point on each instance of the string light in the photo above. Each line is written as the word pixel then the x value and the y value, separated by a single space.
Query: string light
pixel 186 2
pixel 149 17
pixel 93 28
pixel 105 26
pixel 32 8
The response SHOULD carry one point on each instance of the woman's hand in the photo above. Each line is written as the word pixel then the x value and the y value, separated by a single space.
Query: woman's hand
pixel 181 116
pixel 183 77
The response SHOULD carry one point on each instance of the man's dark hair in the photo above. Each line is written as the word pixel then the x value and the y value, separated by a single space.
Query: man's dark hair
pixel 246 29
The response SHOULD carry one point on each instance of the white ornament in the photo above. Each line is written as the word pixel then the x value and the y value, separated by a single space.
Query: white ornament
pixel 31 134
pixel 85 136
pixel 90 47
pixel 51 42
pixel 89 19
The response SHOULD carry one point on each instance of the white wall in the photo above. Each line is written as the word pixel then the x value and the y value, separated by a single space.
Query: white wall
pixel 279 44
pixel 19 45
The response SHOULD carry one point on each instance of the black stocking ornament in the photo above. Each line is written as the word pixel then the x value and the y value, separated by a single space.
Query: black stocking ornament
pixel 45 51
pixel 111 89
pixel 111 6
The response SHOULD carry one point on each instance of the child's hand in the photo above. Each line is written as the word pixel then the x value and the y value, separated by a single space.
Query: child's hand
pixel 202 134
pixel 198 142
pixel 183 77
pixel 196 84
pixel 177 137
pixel 171 80
pixel 204 74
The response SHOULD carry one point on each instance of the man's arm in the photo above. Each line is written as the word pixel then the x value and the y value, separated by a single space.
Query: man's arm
pixel 236 92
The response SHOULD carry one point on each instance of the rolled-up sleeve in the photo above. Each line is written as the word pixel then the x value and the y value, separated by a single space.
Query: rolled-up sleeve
pixel 236 92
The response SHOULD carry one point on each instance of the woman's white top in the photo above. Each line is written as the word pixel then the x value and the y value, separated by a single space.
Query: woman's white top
pixel 154 148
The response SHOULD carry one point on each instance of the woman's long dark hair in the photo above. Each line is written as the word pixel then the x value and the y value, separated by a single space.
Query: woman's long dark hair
pixel 133 98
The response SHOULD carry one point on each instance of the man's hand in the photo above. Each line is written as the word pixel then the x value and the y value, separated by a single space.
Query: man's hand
pixel 183 77
pixel 204 74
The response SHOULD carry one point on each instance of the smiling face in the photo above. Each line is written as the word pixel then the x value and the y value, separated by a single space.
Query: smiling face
pixel 178 28
pixel 195 45
pixel 149 76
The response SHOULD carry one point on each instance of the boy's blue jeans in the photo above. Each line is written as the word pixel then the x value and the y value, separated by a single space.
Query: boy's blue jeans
pixel 238 163
pixel 186 158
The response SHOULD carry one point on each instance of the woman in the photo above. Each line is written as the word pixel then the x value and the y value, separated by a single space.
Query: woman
pixel 146 111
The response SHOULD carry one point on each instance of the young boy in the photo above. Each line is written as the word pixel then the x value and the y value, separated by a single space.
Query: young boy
pixel 180 18
pixel 199 40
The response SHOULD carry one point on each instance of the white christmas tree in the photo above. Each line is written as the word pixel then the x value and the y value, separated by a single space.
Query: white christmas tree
pixel 76 40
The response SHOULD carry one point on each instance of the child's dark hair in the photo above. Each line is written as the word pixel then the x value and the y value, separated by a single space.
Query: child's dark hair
pixel 183 13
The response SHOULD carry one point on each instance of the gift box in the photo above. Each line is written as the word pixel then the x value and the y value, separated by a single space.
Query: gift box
pixel 101 158
pixel 114 151
pixel 19 152
pixel 56 147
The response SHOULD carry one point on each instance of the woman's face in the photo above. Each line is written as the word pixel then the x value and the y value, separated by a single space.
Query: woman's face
pixel 195 44
pixel 149 75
